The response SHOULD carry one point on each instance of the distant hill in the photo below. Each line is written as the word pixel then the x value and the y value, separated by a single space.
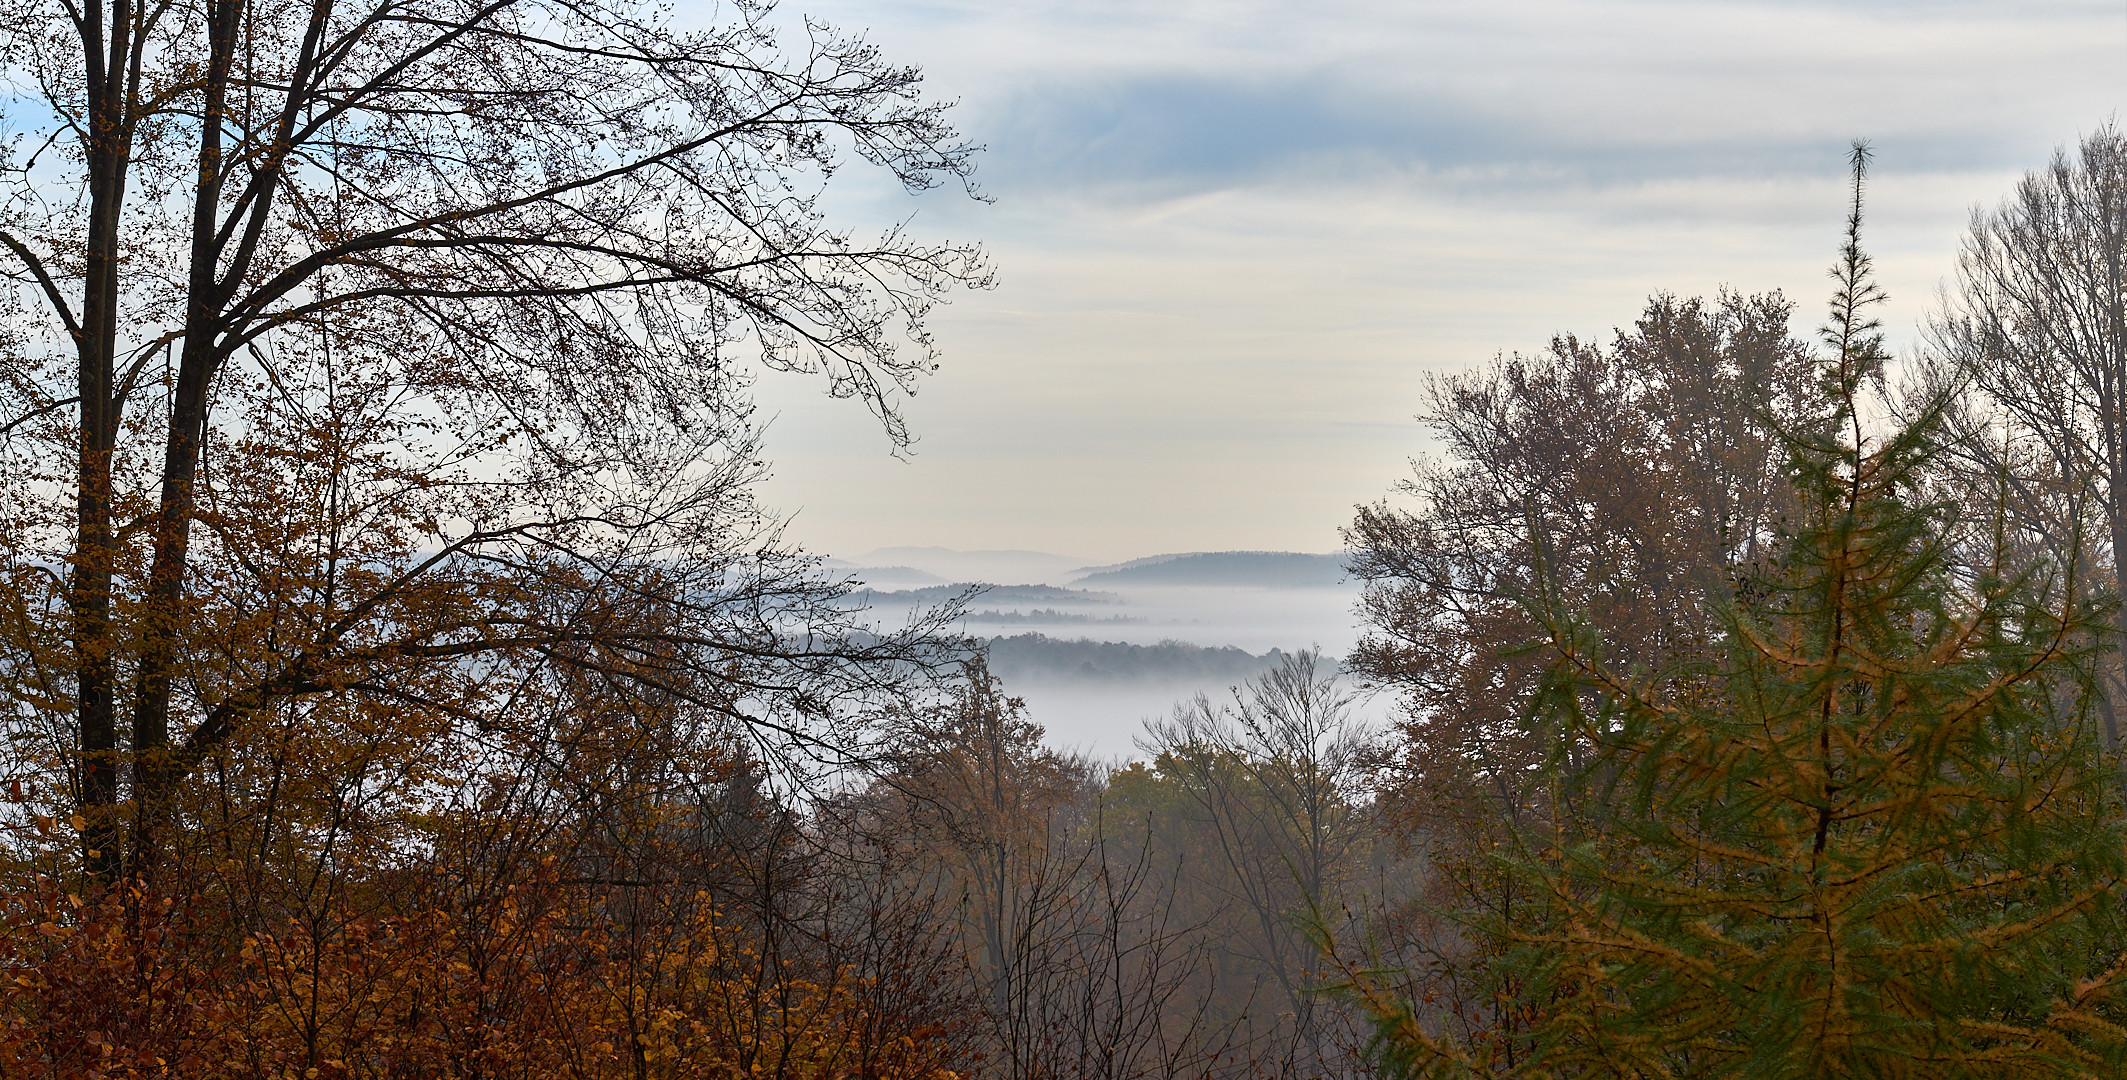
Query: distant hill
pixel 1260 569
pixel 1043 658
pixel 1044 617
pixel 895 575
pixel 999 566
pixel 993 594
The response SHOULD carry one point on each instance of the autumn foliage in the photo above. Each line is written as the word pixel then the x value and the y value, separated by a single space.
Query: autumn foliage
pixel 489 959
pixel 399 678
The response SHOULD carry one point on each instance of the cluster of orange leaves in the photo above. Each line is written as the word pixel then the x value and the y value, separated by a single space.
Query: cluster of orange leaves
pixel 541 981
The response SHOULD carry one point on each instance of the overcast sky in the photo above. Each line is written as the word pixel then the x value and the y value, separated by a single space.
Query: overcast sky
pixel 1232 237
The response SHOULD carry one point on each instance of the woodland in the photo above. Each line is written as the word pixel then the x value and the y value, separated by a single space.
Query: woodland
pixel 402 679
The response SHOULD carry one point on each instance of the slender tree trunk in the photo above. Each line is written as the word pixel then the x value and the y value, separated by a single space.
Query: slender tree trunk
pixel 2114 426
pixel 163 610
pixel 95 546
pixel 160 616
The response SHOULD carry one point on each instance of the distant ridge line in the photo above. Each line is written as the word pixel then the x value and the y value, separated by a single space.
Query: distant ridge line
pixel 1039 657
pixel 1261 569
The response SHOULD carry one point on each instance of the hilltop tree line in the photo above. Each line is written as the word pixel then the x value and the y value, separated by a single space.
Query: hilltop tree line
pixel 403 681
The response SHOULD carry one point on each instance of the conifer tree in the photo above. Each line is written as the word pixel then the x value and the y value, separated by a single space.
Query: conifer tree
pixel 1868 834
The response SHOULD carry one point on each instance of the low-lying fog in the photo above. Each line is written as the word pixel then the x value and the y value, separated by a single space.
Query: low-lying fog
pixel 1096 651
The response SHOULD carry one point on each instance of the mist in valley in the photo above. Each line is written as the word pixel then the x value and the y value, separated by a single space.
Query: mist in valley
pixel 1098 652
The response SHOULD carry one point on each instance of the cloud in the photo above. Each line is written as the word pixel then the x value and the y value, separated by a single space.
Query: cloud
pixel 1234 236
pixel 1149 101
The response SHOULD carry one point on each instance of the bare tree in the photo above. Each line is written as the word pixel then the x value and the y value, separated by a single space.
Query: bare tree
pixel 1076 945
pixel 1275 781
pixel 2038 323
pixel 398 352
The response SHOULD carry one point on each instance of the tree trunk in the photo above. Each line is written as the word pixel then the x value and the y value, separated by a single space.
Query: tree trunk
pixel 162 611
pixel 95 546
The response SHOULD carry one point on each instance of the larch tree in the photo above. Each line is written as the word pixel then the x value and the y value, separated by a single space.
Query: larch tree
pixel 1870 833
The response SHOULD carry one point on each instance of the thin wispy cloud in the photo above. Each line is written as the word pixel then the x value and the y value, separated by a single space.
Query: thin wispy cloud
pixel 1233 237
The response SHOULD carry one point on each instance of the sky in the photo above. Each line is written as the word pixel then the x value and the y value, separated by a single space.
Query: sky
pixel 1233 239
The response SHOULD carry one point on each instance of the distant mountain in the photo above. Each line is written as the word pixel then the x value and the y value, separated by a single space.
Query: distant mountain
pixel 1042 658
pixel 1260 569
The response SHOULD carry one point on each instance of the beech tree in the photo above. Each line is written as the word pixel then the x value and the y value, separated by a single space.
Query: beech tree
pixel 377 378
pixel 1631 480
pixel 1630 477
